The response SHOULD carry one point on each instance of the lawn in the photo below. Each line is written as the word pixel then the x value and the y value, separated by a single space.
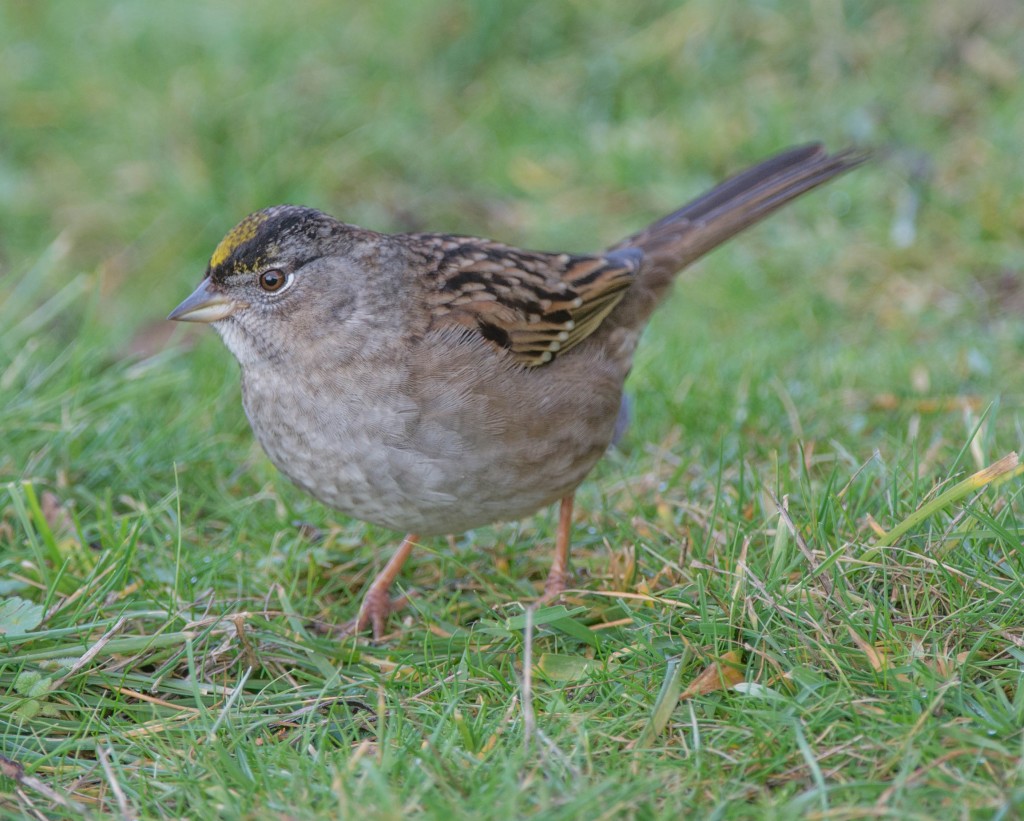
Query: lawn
pixel 798 585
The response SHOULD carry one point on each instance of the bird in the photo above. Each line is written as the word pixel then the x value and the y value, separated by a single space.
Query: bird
pixel 433 383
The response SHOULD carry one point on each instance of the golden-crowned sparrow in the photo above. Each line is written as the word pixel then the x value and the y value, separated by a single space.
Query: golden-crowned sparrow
pixel 433 383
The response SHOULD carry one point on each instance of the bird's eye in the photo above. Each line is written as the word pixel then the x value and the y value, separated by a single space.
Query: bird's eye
pixel 272 280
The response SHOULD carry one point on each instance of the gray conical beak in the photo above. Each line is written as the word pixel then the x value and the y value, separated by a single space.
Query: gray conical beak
pixel 204 305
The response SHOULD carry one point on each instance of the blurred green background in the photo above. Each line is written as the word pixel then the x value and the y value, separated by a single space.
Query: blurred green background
pixel 139 133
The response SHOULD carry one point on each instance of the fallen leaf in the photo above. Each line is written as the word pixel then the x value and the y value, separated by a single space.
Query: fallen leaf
pixel 722 674
pixel 876 657
pixel 562 667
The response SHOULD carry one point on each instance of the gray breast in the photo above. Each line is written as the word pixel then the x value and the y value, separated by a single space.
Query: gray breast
pixel 451 439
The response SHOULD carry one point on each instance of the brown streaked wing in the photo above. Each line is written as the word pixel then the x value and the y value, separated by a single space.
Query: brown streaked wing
pixel 534 305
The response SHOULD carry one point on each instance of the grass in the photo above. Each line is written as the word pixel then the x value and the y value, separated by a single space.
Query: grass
pixel 791 598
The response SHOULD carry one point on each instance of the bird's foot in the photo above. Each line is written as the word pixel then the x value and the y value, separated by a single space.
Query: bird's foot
pixel 553 587
pixel 376 606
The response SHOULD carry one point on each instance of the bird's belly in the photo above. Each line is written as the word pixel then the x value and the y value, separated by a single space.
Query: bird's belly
pixel 395 465
pixel 412 491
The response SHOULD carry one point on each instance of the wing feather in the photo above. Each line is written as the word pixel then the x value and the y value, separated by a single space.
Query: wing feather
pixel 534 305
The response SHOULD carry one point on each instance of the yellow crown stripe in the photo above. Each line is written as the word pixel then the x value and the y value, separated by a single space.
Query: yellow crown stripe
pixel 243 232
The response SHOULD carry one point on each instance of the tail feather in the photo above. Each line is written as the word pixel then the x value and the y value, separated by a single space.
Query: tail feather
pixel 677 240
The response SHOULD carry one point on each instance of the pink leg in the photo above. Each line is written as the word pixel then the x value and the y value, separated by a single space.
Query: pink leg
pixel 555 584
pixel 377 604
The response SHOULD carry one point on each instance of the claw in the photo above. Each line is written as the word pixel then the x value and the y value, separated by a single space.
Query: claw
pixel 377 605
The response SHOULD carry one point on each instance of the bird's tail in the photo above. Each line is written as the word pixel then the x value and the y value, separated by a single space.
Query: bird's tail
pixel 675 241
